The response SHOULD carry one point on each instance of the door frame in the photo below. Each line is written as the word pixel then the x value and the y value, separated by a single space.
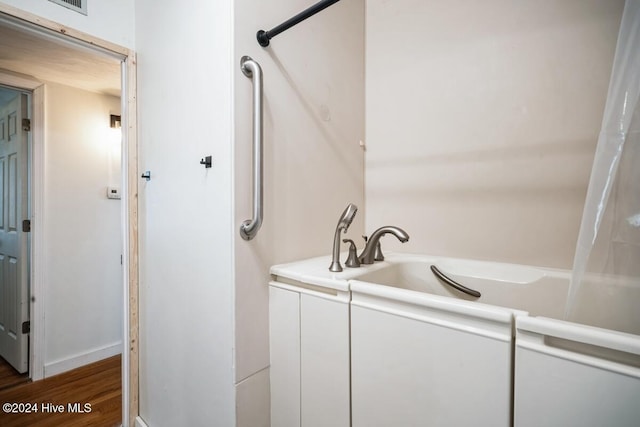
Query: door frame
pixel 129 210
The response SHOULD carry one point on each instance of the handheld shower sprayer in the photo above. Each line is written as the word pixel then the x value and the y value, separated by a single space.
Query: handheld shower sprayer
pixel 343 225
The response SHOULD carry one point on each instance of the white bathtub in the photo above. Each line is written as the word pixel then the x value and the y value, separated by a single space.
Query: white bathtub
pixel 422 353
pixel 553 373
pixel 538 291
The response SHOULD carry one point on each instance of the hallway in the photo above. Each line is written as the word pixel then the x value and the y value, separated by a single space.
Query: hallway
pixel 9 377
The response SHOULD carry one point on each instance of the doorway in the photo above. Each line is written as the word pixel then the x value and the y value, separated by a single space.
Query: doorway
pixel 69 289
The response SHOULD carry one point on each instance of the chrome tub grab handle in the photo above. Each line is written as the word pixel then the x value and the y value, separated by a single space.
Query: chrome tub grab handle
pixel 440 275
pixel 251 69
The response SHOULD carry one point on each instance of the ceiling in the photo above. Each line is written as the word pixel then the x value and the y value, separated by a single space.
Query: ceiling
pixel 49 60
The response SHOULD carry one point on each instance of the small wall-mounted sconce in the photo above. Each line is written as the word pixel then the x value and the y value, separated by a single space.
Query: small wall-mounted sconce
pixel 115 122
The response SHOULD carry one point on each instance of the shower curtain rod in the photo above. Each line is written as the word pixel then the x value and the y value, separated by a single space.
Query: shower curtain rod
pixel 265 36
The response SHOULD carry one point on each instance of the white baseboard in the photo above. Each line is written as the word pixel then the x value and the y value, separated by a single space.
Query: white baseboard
pixel 140 423
pixel 63 365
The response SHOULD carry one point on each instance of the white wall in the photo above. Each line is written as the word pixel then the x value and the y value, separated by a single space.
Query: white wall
pixel 111 20
pixel 314 122
pixel 482 120
pixel 186 283
pixel 83 307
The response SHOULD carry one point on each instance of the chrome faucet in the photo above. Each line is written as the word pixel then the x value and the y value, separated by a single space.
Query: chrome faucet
pixel 343 224
pixel 369 252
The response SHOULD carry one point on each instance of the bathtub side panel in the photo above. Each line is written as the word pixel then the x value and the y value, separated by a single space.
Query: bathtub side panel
pixel 552 391
pixel 284 323
pixel 324 362
pixel 565 377
pixel 409 372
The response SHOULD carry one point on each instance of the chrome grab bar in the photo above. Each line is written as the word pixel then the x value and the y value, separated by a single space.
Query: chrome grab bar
pixel 440 275
pixel 251 69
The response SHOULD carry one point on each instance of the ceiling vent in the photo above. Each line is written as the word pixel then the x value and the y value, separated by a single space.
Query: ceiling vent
pixel 79 6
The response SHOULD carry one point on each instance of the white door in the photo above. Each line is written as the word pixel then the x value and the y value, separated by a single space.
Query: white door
pixel 14 304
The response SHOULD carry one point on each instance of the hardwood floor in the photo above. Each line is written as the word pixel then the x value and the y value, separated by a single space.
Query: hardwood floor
pixel 94 392
pixel 9 377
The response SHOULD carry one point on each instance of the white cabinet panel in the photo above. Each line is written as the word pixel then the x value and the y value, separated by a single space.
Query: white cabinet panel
pixel 284 316
pixel 324 362
pixel 409 372
pixel 310 383
pixel 564 377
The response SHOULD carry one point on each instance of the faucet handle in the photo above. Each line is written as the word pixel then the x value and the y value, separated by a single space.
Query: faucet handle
pixel 378 255
pixel 352 260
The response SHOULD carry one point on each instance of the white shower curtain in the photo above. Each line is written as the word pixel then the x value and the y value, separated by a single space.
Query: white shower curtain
pixel 605 282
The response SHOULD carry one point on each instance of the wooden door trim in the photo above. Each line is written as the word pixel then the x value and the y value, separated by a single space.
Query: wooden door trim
pixel 130 193
pixel 131 350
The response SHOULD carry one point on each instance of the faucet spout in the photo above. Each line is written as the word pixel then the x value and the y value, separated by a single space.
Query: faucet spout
pixel 368 253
